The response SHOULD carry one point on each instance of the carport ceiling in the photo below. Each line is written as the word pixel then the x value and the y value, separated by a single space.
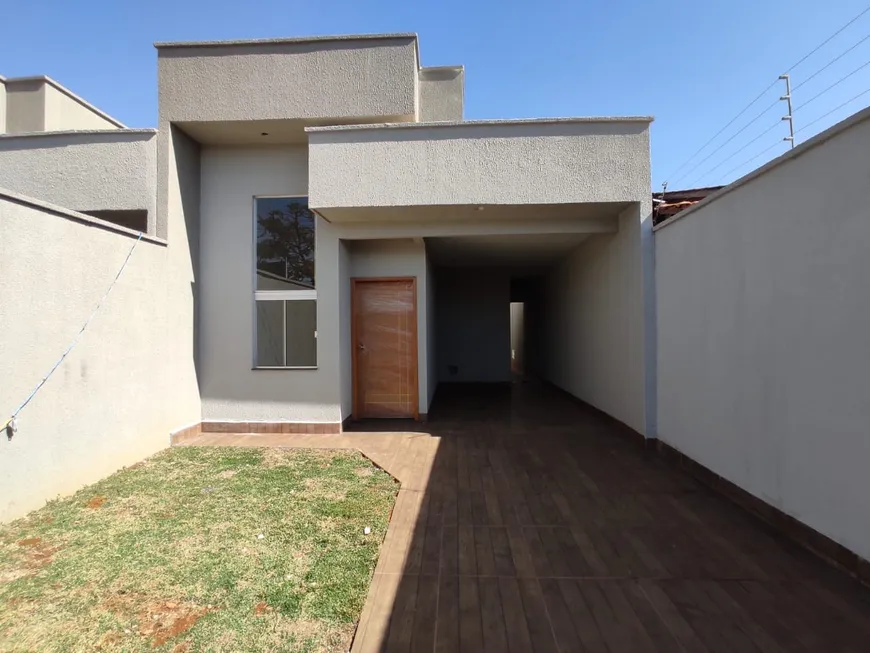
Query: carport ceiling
pixel 501 250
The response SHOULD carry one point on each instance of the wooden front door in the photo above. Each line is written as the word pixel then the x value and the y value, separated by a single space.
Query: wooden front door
pixel 384 332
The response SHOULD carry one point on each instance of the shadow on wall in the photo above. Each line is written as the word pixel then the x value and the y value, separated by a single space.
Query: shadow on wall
pixel 472 322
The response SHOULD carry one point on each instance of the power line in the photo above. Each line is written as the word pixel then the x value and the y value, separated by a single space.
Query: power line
pixel 736 152
pixel 733 136
pixel 742 129
pixel 831 62
pixel 764 151
pixel 760 95
pixel 827 40
pixel 839 81
pixel 730 122
pixel 834 110
pixel 807 126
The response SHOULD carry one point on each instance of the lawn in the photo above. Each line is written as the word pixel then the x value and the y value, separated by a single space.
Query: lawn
pixel 199 549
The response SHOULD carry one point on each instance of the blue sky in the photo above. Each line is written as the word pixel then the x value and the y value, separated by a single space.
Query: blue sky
pixel 693 65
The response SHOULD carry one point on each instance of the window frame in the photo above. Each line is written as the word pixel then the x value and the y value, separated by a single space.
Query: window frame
pixel 279 295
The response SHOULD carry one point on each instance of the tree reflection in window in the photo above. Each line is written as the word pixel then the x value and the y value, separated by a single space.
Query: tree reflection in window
pixel 285 244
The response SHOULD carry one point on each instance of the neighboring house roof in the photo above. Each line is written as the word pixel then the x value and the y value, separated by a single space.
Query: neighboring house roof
pixel 670 203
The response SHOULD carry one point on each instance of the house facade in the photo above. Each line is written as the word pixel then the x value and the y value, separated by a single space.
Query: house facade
pixel 313 233
pixel 332 178
pixel 317 235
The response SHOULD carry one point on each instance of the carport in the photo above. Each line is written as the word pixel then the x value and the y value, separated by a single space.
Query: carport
pixel 466 219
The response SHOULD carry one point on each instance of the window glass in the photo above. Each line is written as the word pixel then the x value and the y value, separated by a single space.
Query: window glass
pixel 286 333
pixel 285 243
pixel 270 334
pixel 301 332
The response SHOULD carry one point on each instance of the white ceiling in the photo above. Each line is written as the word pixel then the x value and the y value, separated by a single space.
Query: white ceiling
pixel 502 250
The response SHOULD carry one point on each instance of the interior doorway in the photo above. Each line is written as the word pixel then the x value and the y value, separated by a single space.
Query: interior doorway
pixel 384 340
pixel 518 338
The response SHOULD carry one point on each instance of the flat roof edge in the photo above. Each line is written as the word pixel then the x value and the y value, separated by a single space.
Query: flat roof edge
pixel 148 131
pixel 63 89
pixel 281 40
pixel 436 68
pixel 471 123
pixel 818 139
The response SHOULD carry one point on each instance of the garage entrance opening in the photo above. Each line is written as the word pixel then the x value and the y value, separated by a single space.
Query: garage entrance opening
pixel 490 315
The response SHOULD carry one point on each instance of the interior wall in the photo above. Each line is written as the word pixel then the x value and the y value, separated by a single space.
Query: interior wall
pixel 595 322
pixel 431 331
pixel 402 257
pixel 472 306
pixel 128 383
pixel 762 334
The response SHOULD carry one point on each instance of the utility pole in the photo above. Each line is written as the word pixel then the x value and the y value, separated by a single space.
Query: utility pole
pixel 789 117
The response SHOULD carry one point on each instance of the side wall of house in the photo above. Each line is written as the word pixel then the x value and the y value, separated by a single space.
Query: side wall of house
pixel 763 326
pixel 129 381
pixel 594 335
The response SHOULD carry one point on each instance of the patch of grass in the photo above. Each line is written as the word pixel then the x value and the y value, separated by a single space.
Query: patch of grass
pixel 165 555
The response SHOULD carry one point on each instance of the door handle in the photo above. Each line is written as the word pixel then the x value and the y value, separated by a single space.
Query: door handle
pixel 361 347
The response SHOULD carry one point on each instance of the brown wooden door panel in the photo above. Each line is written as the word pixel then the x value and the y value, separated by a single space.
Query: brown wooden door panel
pixel 385 347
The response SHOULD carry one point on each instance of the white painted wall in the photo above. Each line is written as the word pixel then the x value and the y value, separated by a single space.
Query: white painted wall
pixel 129 382
pixel 763 324
pixel 400 258
pixel 594 342
pixel 472 309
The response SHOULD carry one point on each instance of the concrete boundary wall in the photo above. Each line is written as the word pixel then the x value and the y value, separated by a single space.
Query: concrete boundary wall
pixel 762 333
pixel 130 380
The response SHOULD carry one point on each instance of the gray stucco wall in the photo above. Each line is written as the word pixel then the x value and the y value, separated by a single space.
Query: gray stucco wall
pixel 594 340
pixel 534 162
pixel 128 383
pixel 763 326
pixel 289 80
pixel 25 106
pixel 83 171
pixel 472 307
pixel 442 93
pixel 231 389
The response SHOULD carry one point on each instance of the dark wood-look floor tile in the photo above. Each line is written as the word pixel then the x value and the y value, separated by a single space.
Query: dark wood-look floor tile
pixel 529 522
pixel 470 617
